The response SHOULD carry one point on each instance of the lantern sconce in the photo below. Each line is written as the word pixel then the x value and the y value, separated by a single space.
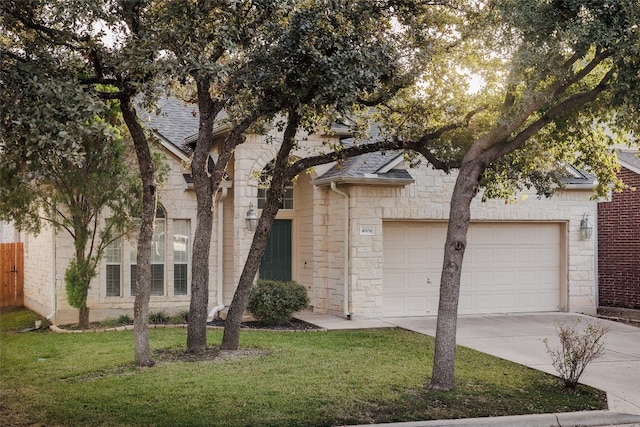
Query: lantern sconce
pixel 251 219
pixel 586 229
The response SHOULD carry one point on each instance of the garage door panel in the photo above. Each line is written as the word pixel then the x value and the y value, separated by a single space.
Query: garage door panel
pixel 506 279
pixel 417 280
pixel 506 255
pixel 416 255
pixel 483 256
pixel 508 267
pixel 394 305
pixel 393 279
pixel 547 255
pixel 481 280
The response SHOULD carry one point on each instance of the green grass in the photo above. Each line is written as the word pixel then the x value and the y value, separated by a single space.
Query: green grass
pixel 309 378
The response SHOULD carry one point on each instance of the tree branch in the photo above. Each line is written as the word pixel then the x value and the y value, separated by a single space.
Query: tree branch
pixel 571 103
pixel 595 61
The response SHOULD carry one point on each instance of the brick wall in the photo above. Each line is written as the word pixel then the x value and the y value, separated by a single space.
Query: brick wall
pixel 619 246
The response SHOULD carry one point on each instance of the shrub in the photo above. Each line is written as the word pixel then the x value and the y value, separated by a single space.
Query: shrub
pixel 273 302
pixel 121 320
pixel 576 350
pixel 158 317
pixel 179 318
pixel 110 322
pixel 77 278
pixel 124 319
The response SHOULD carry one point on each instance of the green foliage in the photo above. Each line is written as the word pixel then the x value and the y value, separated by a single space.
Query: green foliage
pixel 77 279
pixel 553 88
pixel 273 302
pixel 179 318
pixel 577 349
pixel 124 319
pixel 158 317
pixel 16 319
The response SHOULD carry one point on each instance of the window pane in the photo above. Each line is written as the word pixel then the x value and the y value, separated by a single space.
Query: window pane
pixel 133 250
pixel 113 252
pixel 113 280
pixel 133 279
pixel 262 198
pixel 180 279
pixel 287 201
pixel 157 246
pixel 157 279
pixel 181 241
pixel 180 255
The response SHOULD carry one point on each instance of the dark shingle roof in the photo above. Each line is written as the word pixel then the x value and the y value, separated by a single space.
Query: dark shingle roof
pixel 175 122
pixel 578 177
pixel 630 158
pixel 367 168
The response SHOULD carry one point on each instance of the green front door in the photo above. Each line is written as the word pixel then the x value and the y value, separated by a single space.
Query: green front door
pixel 276 262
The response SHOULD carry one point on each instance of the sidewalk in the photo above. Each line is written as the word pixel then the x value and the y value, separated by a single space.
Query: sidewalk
pixel 519 338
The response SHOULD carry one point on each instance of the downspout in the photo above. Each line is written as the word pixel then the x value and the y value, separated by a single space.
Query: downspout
pixel 345 249
pixel 52 314
pixel 220 273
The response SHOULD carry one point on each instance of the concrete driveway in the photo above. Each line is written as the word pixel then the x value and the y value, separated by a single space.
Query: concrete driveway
pixel 519 338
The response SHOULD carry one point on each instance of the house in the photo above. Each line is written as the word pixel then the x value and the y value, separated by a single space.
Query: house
pixel 366 239
pixel 619 241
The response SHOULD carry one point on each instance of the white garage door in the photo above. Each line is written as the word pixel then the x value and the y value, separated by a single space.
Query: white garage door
pixel 508 267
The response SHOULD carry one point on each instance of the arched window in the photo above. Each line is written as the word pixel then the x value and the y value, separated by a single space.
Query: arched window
pixel 120 250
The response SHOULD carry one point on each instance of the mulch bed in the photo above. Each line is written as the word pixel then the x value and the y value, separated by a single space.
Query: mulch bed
pixel 291 325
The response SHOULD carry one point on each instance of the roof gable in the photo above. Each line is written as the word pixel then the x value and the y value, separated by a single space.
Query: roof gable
pixel 629 160
pixel 371 168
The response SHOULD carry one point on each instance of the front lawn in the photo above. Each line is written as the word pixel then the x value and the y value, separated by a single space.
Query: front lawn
pixel 305 378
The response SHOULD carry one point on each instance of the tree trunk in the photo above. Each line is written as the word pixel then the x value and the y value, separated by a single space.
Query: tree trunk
pixel 231 336
pixel 83 316
pixel 442 377
pixel 197 327
pixel 143 270
pixel 203 184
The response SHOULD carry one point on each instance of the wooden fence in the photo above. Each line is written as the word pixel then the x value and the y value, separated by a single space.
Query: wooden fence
pixel 11 274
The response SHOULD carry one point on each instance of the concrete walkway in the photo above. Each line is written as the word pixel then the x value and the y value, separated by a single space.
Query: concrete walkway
pixel 519 338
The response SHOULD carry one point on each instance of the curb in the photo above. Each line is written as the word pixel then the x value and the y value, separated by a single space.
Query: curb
pixel 562 419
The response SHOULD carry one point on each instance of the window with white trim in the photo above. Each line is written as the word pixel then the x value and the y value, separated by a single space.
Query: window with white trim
pixel 113 261
pixel 121 260
pixel 180 256
pixel 157 257
pixel 286 202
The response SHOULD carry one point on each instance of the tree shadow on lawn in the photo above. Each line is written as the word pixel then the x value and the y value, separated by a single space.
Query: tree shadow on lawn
pixel 474 401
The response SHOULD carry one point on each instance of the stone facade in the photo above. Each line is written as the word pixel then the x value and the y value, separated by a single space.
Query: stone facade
pixel 325 260
pixel 428 200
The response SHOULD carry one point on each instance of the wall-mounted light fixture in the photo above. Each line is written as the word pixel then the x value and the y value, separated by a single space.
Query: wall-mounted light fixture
pixel 251 219
pixel 586 229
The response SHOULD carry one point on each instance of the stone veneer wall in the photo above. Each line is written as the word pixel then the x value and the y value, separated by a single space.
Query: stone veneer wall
pixel 428 200
pixel 179 203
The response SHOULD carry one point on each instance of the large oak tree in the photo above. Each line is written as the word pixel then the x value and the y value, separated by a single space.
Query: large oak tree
pixel 560 85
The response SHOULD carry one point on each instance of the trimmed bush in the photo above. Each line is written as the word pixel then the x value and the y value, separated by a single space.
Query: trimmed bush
pixel 273 302
pixel 179 318
pixel 158 317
